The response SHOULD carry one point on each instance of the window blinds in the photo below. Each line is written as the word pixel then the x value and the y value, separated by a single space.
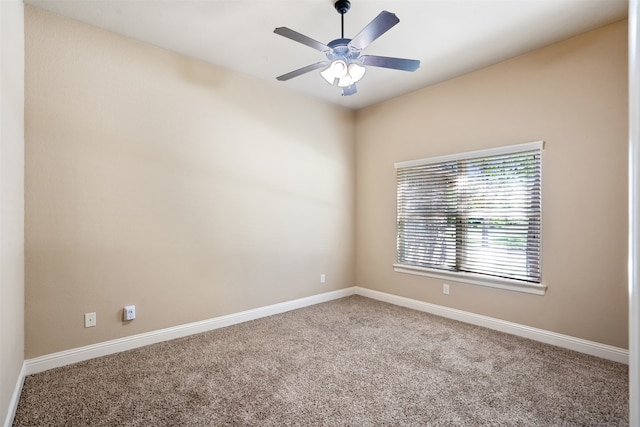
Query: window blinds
pixel 480 214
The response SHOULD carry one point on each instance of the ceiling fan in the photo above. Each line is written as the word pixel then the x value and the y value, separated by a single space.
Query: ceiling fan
pixel 345 66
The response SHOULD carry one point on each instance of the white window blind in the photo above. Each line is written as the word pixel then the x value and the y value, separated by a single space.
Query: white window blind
pixel 474 213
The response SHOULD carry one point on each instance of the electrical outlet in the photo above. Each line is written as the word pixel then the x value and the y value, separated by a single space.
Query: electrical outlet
pixel 323 279
pixel 445 288
pixel 129 312
pixel 90 320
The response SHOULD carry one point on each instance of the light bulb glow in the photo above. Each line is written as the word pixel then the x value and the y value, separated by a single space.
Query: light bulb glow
pixel 336 70
pixel 328 76
pixel 356 71
pixel 339 69
pixel 346 75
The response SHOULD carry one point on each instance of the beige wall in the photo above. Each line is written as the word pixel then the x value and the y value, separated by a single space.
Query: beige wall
pixel 156 180
pixel 572 95
pixel 160 181
pixel 11 202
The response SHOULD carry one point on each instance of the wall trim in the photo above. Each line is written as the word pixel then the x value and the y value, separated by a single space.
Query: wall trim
pixel 67 357
pixel 15 397
pixel 74 355
pixel 592 348
pixel 634 212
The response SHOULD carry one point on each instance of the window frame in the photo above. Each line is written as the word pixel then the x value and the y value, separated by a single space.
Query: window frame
pixel 466 277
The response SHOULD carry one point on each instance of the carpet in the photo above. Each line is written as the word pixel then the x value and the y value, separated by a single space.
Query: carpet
pixel 349 362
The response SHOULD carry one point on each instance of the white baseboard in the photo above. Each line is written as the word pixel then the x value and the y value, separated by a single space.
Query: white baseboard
pixel 67 357
pixel 15 398
pixel 80 354
pixel 604 351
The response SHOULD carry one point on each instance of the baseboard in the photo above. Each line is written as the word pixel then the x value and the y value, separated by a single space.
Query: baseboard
pixel 604 351
pixel 80 354
pixel 67 357
pixel 15 398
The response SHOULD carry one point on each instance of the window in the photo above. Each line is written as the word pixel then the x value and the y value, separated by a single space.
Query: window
pixel 473 217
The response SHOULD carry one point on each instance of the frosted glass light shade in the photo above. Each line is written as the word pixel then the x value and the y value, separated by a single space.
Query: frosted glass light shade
pixel 354 73
pixel 346 75
pixel 337 70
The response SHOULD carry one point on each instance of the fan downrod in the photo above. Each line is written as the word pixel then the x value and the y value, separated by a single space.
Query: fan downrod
pixel 342 6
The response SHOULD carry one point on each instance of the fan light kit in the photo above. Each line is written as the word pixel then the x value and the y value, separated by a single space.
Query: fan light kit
pixel 345 67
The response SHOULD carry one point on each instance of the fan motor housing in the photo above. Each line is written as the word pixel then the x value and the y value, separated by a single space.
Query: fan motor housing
pixel 340 50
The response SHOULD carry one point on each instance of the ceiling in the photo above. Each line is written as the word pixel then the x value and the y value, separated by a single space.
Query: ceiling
pixel 449 37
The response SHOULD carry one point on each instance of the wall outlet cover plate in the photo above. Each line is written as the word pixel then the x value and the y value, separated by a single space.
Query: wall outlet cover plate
pixel 90 320
pixel 129 312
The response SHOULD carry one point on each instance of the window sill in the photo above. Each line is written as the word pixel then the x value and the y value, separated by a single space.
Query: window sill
pixel 473 279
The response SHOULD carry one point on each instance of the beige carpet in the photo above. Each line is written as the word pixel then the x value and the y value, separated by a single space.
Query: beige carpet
pixel 349 362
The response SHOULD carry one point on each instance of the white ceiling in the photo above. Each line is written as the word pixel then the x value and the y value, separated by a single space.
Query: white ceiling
pixel 449 37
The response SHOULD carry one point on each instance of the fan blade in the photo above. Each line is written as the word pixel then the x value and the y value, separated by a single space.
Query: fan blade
pixel 301 38
pixel 388 62
pixel 349 90
pixel 302 70
pixel 380 25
